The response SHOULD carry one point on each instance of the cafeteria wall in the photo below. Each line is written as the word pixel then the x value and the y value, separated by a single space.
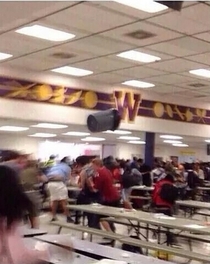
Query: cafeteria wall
pixel 45 112
pixel 123 150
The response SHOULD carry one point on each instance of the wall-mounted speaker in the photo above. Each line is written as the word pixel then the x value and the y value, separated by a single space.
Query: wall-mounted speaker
pixel 104 120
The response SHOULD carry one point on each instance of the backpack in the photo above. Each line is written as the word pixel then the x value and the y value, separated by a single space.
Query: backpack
pixel 133 249
pixel 169 193
pixel 130 179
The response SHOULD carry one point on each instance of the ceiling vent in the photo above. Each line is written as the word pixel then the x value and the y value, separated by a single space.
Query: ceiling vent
pixel 63 55
pixel 197 85
pixel 140 34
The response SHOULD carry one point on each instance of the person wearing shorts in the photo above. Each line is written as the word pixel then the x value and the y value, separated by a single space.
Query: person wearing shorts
pixel 57 176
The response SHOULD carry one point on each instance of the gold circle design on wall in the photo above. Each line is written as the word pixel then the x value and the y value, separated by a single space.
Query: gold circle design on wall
pixel 158 109
pixel 90 99
pixel 42 92
pixel 169 111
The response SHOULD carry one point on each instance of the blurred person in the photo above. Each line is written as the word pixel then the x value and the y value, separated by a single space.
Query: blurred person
pixel 13 204
pixel 88 193
pixel 14 160
pixel 157 173
pixel 164 196
pixel 51 162
pixel 104 184
pixel 197 169
pixel 29 178
pixel 146 175
pixel 58 175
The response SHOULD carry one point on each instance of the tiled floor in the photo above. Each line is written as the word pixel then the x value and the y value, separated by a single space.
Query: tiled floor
pixel 201 248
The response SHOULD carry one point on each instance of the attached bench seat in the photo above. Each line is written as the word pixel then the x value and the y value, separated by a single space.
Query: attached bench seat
pixel 91 231
pixel 72 201
pixel 121 221
pixel 145 198
pixel 166 249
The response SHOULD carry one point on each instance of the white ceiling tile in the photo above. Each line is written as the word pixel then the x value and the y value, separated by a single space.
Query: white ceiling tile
pixel 33 63
pixel 125 10
pixel 188 85
pixel 98 45
pixel 201 58
pixel 77 55
pixel 176 65
pixel 190 94
pixel 188 3
pixel 166 89
pixel 184 46
pixel 14 14
pixel 139 72
pixel 102 65
pixel 160 34
pixel 203 36
pixel 169 48
pixel 106 78
pixel 176 21
pixel 192 44
pixel 89 18
pixel 169 79
pixel 199 13
pixel 19 44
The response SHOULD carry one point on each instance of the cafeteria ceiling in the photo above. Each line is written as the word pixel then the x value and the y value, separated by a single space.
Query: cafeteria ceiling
pixel 60 134
pixel 104 29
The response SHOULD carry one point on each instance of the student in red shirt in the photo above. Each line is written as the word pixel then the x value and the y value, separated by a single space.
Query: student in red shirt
pixel 104 184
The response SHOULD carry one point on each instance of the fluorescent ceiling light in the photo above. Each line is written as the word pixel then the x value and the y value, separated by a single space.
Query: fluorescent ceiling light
pixel 207 140
pixel 137 142
pixel 50 126
pixel 43 135
pixel 42 32
pixel 129 138
pixel 170 137
pixel 138 56
pixel 148 6
pixel 4 56
pixel 201 72
pixel 92 139
pixel 118 132
pixel 180 145
pixel 77 134
pixel 13 128
pixel 172 141
pixel 72 71
pixel 139 84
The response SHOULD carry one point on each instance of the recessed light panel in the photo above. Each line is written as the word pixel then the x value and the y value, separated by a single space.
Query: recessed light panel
pixel 43 135
pixel 172 141
pixel 117 132
pixel 4 56
pixel 201 72
pixel 129 138
pixel 47 33
pixel 137 142
pixel 138 56
pixel 13 128
pixel 138 84
pixel 170 137
pixel 148 6
pixel 50 126
pixel 72 71
pixel 93 139
pixel 180 145
pixel 207 140
pixel 76 134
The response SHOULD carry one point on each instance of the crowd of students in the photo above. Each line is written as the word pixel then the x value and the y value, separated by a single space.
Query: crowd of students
pixel 108 182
